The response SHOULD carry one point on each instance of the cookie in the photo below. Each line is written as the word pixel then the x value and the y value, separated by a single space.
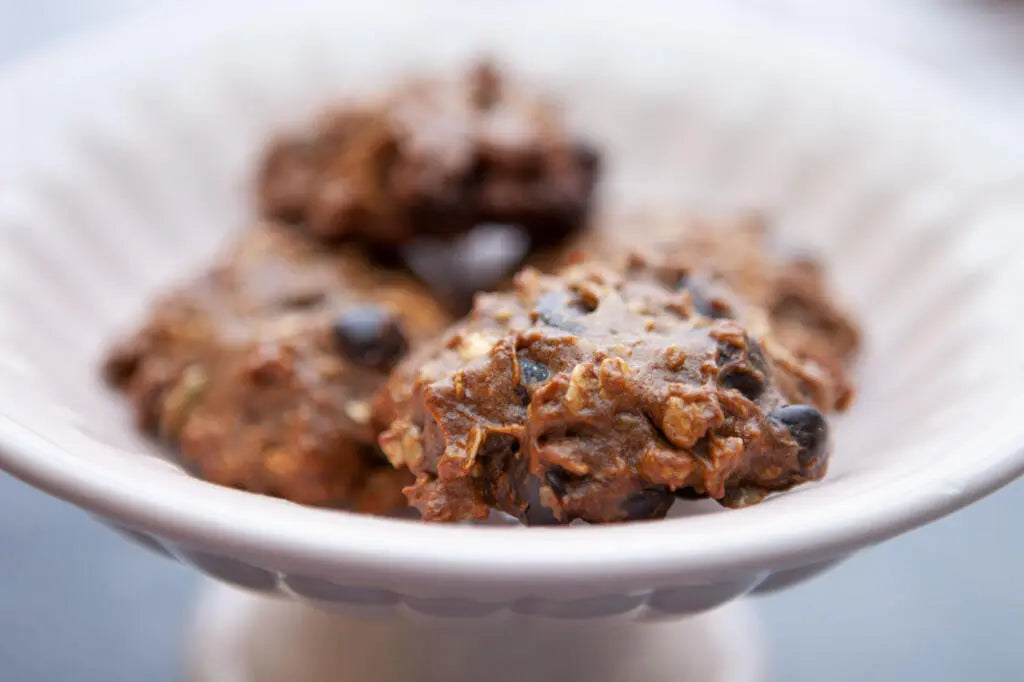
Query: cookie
pixel 601 393
pixel 261 371
pixel 434 158
pixel 742 255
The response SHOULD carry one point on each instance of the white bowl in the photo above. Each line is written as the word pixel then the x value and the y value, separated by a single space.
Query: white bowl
pixel 129 156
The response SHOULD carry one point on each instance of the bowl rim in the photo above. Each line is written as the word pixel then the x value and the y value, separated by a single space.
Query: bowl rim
pixel 324 542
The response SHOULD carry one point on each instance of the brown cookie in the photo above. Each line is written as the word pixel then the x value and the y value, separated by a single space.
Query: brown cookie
pixel 262 370
pixel 434 158
pixel 599 393
pixel 742 256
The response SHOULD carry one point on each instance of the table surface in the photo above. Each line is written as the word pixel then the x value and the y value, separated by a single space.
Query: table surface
pixel 942 603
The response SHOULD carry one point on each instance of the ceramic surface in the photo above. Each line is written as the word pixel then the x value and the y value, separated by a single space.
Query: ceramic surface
pixel 241 637
pixel 128 157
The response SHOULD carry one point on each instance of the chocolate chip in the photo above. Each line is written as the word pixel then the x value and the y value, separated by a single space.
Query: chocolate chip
pixel 555 309
pixel 533 373
pixel 810 431
pixel 690 493
pixel 756 357
pixel 742 369
pixel 743 380
pixel 536 514
pixel 539 515
pixel 122 364
pixel 726 353
pixel 704 303
pixel 649 503
pixel 557 478
pixel 370 336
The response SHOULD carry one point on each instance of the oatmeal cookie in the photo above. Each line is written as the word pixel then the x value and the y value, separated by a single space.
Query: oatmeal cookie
pixel 601 393
pixel 434 158
pixel 262 370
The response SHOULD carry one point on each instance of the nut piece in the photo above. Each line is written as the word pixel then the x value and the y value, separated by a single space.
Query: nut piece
pixel 402 445
pixel 614 376
pixel 475 345
pixel 181 399
pixel 686 420
pixel 358 411
pixel 371 336
pixel 583 386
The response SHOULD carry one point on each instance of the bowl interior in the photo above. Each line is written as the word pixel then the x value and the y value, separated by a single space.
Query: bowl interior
pixel 140 172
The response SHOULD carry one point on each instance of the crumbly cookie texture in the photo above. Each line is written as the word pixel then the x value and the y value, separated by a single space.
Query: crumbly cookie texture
pixel 786 288
pixel 601 393
pixel 434 157
pixel 261 371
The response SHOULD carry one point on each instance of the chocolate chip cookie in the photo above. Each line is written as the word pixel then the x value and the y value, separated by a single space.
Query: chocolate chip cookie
pixel 434 157
pixel 262 370
pixel 742 255
pixel 601 393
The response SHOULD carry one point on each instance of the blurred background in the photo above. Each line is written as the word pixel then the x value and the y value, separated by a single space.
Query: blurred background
pixel 942 603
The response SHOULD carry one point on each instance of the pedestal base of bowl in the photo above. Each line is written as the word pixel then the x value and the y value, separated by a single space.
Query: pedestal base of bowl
pixel 244 637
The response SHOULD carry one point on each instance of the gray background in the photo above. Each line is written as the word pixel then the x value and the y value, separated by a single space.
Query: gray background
pixel 940 604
